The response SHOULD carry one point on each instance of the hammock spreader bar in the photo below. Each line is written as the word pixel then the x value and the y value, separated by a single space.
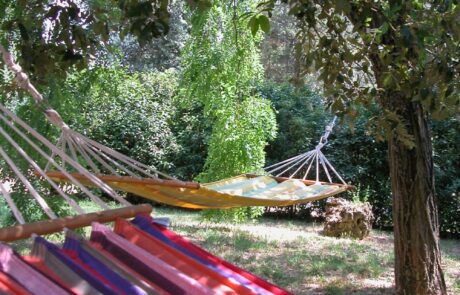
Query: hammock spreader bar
pixel 24 231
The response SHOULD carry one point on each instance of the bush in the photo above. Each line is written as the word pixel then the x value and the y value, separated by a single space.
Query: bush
pixel 235 215
pixel 446 143
pixel 129 112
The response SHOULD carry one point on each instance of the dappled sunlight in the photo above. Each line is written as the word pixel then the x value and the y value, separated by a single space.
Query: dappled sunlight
pixel 297 256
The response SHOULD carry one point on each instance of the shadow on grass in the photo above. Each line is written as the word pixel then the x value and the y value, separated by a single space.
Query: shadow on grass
pixel 322 263
pixel 342 290
pixel 451 249
pixel 210 237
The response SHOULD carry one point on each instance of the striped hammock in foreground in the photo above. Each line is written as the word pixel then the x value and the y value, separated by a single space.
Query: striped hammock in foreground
pixel 239 191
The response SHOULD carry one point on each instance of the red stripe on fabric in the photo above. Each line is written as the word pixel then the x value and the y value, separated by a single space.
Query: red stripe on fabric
pixel 40 265
pixel 9 285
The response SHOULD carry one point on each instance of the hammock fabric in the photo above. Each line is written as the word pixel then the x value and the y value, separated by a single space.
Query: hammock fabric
pixel 138 257
pixel 239 191
pixel 145 222
pixel 184 263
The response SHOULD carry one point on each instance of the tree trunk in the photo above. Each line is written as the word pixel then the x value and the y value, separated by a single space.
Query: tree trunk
pixel 415 214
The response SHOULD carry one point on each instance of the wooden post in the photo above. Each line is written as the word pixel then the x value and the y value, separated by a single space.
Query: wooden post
pixel 25 231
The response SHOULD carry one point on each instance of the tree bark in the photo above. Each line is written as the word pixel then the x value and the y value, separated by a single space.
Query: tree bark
pixel 415 214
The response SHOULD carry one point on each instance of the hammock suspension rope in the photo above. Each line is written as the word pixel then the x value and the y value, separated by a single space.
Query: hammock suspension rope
pixel 314 157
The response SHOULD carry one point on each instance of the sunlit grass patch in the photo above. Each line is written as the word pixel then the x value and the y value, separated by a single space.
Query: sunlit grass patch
pixel 297 257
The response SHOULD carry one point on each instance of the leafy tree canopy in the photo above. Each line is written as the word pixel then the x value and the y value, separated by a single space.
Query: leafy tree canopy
pixel 365 50
pixel 53 35
pixel 404 55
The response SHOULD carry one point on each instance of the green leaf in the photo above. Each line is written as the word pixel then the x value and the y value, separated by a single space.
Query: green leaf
pixel 264 23
pixel 253 25
pixel 384 28
pixel 387 80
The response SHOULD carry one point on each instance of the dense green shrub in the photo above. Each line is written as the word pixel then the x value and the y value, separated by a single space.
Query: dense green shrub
pixel 130 112
pixel 300 117
pixel 360 160
pixel 192 133
pixel 446 146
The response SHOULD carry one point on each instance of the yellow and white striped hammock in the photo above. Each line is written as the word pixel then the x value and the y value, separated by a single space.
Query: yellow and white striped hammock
pixel 238 191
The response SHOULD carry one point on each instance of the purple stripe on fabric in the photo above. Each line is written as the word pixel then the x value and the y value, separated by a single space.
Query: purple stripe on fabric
pixel 145 224
pixel 33 280
pixel 114 265
pixel 83 273
pixel 101 268
pixel 70 278
pixel 126 257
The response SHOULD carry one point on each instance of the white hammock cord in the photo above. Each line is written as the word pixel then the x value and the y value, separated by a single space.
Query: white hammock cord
pixel 307 155
pixel 321 160
pixel 294 160
pixel 88 160
pixel 115 163
pixel 100 184
pixel 301 166
pixel 59 145
pixel 98 159
pixel 28 185
pixel 310 157
pixel 335 171
pixel 297 162
pixel 21 151
pixel 284 161
pixel 93 197
pixel 17 214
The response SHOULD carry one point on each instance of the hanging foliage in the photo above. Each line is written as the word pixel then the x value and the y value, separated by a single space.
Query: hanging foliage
pixel 221 68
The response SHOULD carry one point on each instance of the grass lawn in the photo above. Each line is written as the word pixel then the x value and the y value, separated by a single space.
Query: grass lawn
pixel 296 256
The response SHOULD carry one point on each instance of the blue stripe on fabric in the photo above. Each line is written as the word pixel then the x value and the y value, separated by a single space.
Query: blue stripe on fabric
pixel 118 281
pixel 84 274
pixel 138 265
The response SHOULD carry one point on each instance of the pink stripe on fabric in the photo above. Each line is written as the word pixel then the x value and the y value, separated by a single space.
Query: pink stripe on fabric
pixel 31 279
pixel 169 272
